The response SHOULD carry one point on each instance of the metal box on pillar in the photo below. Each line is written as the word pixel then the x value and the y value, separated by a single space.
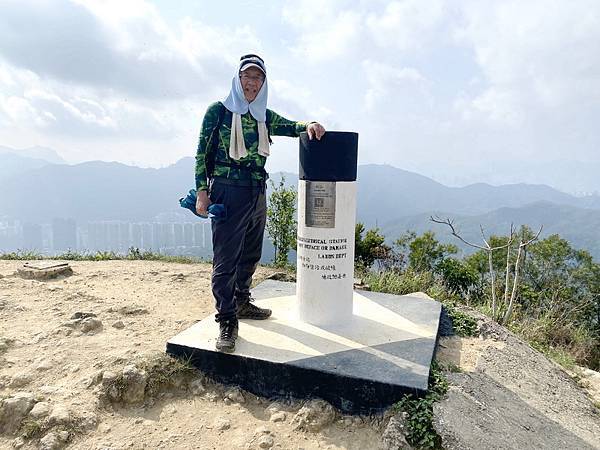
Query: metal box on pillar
pixel 326 222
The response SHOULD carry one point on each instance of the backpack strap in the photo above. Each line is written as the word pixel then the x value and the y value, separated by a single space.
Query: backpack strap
pixel 213 143
pixel 268 124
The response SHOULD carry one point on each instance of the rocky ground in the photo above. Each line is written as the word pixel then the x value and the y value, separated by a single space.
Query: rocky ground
pixel 82 365
pixel 505 395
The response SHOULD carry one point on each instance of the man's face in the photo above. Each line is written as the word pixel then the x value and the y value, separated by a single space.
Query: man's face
pixel 252 80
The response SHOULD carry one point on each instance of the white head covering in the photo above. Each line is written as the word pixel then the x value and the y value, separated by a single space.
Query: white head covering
pixel 236 101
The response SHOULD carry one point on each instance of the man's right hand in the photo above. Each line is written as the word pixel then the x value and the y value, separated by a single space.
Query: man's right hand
pixel 202 203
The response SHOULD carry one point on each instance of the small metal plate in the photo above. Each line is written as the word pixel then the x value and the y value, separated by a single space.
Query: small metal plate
pixel 320 204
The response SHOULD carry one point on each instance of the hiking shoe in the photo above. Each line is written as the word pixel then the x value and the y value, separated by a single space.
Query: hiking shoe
pixel 251 311
pixel 228 333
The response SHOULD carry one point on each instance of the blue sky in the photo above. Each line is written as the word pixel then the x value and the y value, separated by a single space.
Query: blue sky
pixel 430 85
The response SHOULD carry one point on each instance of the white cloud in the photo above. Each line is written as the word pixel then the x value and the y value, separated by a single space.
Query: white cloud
pixel 386 82
pixel 536 55
pixel 326 29
pixel 407 24
pixel 110 70
pixel 119 46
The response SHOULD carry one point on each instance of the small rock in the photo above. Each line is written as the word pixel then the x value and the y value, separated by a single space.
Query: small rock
pixel 134 381
pixel 235 395
pixel 50 442
pixel 88 420
pixel 82 315
pixel 138 421
pixel 278 417
pixel 18 443
pixel 20 380
pixel 44 365
pixel 93 380
pixel 91 325
pixel 222 424
pixel 129 310
pixel 119 325
pixel 275 407
pixel 40 410
pixel 314 416
pixel 63 436
pixel 211 397
pixel 394 436
pixel 13 410
pixel 71 323
pixel 262 430
pixel 60 415
pixel 108 377
pixel 4 344
pixel 265 441
pixel 197 386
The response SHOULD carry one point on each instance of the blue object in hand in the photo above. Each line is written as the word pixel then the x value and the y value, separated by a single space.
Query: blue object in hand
pixel 215 210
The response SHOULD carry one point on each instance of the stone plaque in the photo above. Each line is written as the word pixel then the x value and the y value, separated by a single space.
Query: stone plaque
pixel 320 204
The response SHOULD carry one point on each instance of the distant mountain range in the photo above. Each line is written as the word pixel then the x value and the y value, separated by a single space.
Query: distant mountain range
pixel 391 198
pixel 577 177
pixel 44 153
pixel 579 226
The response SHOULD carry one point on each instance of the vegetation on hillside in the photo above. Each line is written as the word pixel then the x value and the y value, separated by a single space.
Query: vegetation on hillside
pixel 556 303
pixel 132 254
pixel 281 225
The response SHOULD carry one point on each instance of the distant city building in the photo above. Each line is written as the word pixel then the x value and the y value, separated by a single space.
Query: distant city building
pixel 64 235
pixel 136 236
pixel 188 235
pixel 178 233
pixel 32 237
pixel 124 238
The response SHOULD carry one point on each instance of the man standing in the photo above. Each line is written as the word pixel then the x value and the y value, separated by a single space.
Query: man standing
pixel 232 152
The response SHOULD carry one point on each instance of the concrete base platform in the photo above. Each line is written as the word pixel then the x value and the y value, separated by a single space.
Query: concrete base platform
pixel 361 366
pixel 44 270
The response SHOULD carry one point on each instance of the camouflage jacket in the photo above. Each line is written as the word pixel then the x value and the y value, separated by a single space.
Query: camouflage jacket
pixel 278 126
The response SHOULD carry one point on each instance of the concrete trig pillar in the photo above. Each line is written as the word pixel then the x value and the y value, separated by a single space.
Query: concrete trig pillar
pixel 326 223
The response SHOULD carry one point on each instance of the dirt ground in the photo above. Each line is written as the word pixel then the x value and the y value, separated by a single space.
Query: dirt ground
pixel 62 339
pixel 140 304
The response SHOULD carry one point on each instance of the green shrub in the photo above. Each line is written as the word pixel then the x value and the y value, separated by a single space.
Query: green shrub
pixel 462 324
pixel 400 283
pixel 420 431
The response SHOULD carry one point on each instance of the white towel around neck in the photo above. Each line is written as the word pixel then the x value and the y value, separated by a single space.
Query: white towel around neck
pixel 237 146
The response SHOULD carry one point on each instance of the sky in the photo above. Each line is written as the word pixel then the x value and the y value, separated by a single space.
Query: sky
pixel 429 85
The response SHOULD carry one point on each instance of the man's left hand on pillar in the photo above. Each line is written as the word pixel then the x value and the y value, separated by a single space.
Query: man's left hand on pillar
pixel 315 129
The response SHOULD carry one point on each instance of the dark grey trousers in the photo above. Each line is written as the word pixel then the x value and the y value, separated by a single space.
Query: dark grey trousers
pixel 237 243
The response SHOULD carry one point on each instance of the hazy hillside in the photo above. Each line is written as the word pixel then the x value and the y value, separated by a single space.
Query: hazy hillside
pixel 558 174
pixel 37 152
pixel 386 193
pixel 95 191
pixel 12 164
pixel 579 226
pixel 392 198
pixel 102 190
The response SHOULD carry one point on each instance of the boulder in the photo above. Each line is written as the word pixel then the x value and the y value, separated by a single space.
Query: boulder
pixel 40 410
pixel 134 384
pixel 394 435
pixel 314 416
pixel 13 410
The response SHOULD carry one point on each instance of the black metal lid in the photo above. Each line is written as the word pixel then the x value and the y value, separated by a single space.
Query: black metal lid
pixel 332 158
